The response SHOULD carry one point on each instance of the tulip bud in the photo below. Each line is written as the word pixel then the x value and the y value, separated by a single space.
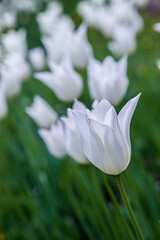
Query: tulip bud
pixel 63 80
pixel 42 113
pixel 105 135
pixel 108 79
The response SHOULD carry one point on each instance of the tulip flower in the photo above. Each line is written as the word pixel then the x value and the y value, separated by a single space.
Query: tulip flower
pixel 48 18
pixel 124 41
pixel 156 27
pixel 54 139
pixel 105 135
pixel 63 80
pixel 14 70
pixel 108 79
pixel 37 58
pixel 42 113
pixel 7 20
pixel 15 41
pixel 76 45
pixel 80 49
pixel 3 101
pixel 73 144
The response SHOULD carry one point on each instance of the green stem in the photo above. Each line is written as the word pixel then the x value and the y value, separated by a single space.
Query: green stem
pixel 112 196
pixel 100 197
pixel 128 206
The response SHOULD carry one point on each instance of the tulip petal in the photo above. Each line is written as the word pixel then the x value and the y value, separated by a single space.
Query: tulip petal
pixel 125 116
pixel 100 110
pixel 46 78
pixel 81 123
pixel 96 156
pixel 115 160
pixel 109 156
pixel 78 106
pixel 53 146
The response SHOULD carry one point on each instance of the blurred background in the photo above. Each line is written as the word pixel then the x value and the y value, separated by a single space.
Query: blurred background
pixel 42 197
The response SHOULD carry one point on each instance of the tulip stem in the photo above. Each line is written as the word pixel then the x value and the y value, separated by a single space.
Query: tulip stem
pixel 128 206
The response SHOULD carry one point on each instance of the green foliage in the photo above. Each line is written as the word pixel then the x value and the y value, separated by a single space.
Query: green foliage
pixel 46 198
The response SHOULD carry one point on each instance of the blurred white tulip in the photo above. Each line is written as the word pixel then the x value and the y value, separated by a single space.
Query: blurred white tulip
pixel 76 46
pixel 55 45
pixel 37 58
pixel 73 141
pixel 119 20
pixel 48 18
pixel 141 3
pixel 105 135
pixel 158 63
pixel 63 80
pixel 124 41
pixel 156 27
pixel 15 41
pixel 14 70
pixel 54 139
pixel 7 20
pixel 108 79
pixel 42 113
pixel 80 49
pixel 3 101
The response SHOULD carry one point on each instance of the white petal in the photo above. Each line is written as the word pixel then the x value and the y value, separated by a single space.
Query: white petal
pixel 78 106
pixel 54 147
pixel 101 109
pixel 81 123
pixel 46 78
pixel 125 116
pixel 115 160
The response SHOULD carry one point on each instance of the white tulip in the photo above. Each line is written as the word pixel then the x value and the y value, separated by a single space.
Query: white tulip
pixel 55 45
pixel 7 20
pixel 158 63
pixel 63 80
pixel 80 49
pixel 54 139
pixel 127 15
pixel 124 41
pixel 37 58
pixel 3 101
pixel 14 70
pixel 89 12
pixel 22 5
pixel 105 135
pixel 108 79
pixel 48 18
pixel 156 27
pixel 76 45
pixel 108 18
pixel 42 113
pixel 73 141
pixel 15 41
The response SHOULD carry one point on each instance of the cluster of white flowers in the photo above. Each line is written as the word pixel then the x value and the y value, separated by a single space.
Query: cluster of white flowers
pixel 98 136
pixel 14 68
pixel 87 135
pixel 118 20
pixel 14 53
